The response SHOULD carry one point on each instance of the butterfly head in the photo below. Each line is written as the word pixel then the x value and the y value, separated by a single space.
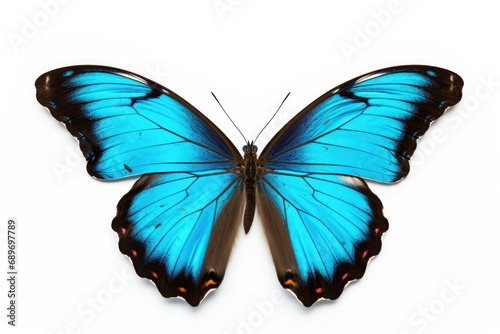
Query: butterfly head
pixel 250 147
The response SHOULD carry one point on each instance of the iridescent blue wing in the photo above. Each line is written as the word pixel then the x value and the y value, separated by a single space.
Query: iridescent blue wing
pixel 128 125
pixel 178 223
pixel 366 127
pixel 322 222
pixel 322 229
pixel 179 229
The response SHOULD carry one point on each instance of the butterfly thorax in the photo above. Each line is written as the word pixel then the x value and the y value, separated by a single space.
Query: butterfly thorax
pixel 250 169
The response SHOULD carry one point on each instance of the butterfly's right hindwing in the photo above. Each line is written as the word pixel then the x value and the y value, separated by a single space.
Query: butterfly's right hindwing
pixel 179 228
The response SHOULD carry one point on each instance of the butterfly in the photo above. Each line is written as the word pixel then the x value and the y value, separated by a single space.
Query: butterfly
pixel 179 221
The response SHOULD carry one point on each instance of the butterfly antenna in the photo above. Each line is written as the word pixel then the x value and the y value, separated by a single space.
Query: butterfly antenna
pixel 229 117
pixel 265 126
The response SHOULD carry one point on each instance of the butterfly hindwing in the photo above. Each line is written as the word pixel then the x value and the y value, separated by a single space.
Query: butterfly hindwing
pixel 179 228
pixel 333 226
pixel 178 222
pixel 312 188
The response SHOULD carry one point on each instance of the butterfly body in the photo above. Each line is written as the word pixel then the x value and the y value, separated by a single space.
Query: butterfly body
pixel 179 221
pixel 252 171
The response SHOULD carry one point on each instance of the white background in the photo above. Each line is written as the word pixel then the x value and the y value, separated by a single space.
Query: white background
pixel 438 271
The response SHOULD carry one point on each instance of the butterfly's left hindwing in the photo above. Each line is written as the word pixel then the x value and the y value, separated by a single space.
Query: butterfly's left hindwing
pixel 179 221
pixel 333 224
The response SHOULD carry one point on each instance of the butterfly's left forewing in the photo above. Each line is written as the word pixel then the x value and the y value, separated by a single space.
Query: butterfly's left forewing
pixel 179 221
pixel 366 127
pixel 329 222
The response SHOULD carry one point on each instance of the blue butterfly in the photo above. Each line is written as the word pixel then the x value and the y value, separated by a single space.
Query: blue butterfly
pixel 179 221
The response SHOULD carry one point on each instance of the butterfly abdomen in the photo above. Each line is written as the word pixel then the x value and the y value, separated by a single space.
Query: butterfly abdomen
pixel 250 206
pixel 250 176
